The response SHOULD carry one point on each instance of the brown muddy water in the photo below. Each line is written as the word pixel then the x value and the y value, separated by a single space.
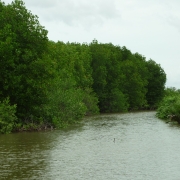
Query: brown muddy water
pixel 131 146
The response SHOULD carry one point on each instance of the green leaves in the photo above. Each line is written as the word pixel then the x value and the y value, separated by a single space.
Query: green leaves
pixel 169 107
pixel 7 116
pixel 121 78
pixel 23 42
pixel 59 83
pixel 70 95
pixel 64 104
pixel 156 83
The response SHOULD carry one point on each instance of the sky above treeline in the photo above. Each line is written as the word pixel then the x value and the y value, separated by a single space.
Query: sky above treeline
pixel 151 28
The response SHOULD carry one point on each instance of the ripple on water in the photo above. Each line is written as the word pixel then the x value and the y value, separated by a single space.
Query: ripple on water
pixel 145 148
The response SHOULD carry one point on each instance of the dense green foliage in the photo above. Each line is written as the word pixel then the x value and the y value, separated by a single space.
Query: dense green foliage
pixel 156 82
pixel 169 108
pixel 70 95
pixel 23 42
pixel 52 84
pixel 7 116
pixel 125 81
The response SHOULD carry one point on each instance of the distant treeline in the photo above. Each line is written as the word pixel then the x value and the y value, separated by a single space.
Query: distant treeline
pixel 46 84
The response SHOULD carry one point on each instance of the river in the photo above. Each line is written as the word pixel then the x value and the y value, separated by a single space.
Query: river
pixel 130 146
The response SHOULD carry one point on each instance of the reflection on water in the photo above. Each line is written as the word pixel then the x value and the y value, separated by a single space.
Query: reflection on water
pixel 145 148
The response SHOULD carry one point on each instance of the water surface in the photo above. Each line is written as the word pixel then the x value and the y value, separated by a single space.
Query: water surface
pixel 131 146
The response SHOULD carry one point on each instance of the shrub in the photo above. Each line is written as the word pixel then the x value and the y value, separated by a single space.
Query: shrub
pixel 169 107
pixel 90 100
pixel 7 116
pixel 65 104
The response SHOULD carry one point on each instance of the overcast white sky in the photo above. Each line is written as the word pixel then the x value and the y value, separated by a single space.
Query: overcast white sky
pixel 149 27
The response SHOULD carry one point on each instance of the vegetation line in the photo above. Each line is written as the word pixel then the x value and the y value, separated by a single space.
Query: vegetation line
pixel 46 84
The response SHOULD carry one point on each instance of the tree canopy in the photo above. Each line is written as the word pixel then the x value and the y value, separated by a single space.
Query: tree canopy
pixel 52 84
pixel 23 42
pixel 116 69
